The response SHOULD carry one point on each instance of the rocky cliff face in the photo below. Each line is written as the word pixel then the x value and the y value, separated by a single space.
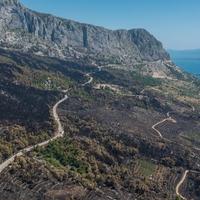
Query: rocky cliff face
pixel 29 31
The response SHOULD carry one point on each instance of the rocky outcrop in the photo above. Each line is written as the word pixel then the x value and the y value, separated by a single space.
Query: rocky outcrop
pixel 25 30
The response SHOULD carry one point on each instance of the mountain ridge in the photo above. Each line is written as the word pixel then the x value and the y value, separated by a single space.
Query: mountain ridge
pixel 44 34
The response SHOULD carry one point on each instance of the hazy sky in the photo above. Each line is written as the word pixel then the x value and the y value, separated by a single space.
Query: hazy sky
pixel 176 23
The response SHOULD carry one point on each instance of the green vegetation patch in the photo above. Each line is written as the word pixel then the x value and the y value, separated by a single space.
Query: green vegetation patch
pixel 15 138
pixel 147 168
pixel 194 137
pixel 49 81
pixel 4 59
pixel 63 153
pixel 181 88
pixel 145 80
pixel 83 93
pixel 5 150
pixel 178 198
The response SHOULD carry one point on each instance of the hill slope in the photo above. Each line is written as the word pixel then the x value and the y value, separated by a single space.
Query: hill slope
pixel 110 147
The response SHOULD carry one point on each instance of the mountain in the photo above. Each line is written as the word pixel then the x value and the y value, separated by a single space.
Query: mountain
pixel 43 34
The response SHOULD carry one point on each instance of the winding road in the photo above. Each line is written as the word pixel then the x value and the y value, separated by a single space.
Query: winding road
pixel 90 79
pixel 58 133
pixel 180 184
pixel 184 176
pixel 161 136
pixel 193 108
pixel 182 181
pixel 162 121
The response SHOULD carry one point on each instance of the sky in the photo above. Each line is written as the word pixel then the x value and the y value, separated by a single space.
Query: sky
pixel 176 23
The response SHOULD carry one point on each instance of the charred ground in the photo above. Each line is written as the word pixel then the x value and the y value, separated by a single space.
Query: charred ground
pixel 110 150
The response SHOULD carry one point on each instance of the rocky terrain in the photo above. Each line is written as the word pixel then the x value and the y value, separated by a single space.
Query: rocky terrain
pixel 44 34
pixel 131 120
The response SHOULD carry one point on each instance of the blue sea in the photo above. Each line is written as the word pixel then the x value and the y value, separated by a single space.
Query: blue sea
pixel 188 60
pixel 189 65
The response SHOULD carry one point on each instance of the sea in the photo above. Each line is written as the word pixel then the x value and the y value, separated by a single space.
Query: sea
pixel 189 61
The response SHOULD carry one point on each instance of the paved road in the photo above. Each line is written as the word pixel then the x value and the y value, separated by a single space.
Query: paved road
pixel 160 134
pixel 59 132
pixel 90 79
pixel 162 121
pixel 185 173
pixel 193 108
pixel 180 184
